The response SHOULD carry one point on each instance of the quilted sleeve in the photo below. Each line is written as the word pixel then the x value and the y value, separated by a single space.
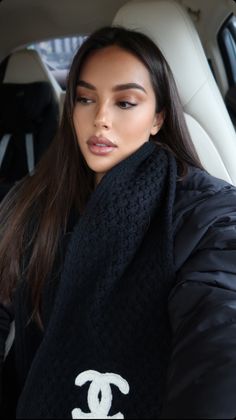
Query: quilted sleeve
pixel 202 308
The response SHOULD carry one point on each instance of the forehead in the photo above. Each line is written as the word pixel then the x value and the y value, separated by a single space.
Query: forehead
pixel 114 65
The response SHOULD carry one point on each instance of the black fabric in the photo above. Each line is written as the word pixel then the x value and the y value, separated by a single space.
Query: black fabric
pixel 10 389
pixel 5 322
pixel 202 305
pixel 26 108
pixel 110 314
pixel 201 378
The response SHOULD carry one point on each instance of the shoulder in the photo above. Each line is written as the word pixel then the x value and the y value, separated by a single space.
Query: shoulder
pixel 198 186
pixel 202 201
pixel 201 304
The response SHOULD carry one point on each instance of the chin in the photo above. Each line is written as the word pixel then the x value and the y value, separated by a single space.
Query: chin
pixel 100 167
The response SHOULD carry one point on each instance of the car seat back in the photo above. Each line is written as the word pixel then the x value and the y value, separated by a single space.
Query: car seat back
pixel 28 123
pixel 211 129
pixel 29 115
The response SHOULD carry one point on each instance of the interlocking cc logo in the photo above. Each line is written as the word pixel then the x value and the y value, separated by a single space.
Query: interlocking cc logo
pixel 100 386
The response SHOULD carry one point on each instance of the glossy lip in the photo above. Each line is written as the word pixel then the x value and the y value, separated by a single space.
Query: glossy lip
pixel 94 140
pixel 100 150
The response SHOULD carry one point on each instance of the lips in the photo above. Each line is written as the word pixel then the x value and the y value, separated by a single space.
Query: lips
pixel 100 146
pixel 100 142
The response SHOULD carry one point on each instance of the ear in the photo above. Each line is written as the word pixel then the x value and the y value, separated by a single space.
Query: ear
pixel 157 122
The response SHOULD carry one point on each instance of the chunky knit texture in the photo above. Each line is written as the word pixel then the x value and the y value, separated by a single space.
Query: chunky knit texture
pixel 110 312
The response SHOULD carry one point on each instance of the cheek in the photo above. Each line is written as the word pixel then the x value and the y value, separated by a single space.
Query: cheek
pixel 79 116
pixel 80 120
pixel 139 123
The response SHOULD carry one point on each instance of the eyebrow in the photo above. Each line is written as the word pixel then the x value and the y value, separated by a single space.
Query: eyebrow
pixel 117 88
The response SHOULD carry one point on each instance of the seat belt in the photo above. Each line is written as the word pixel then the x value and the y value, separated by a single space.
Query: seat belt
pixel 29 146
pixel 10 339
pixel 3 66
pixel 3 146
pixel 6 138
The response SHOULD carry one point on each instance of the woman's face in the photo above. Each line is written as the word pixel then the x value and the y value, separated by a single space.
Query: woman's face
pixel 115 109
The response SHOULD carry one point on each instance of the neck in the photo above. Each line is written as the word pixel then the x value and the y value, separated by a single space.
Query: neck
pixel 98 178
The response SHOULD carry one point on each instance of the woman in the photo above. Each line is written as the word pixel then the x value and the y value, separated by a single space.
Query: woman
pixel 117 257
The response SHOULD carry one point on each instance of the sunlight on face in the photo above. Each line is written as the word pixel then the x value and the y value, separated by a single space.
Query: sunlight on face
pixel 115 110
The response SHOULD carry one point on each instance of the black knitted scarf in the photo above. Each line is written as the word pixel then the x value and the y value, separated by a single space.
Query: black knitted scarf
pixel 106 348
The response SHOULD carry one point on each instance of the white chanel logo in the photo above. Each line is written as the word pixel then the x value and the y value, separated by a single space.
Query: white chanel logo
pixel 99 408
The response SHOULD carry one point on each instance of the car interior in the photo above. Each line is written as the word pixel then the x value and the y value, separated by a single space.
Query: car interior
pixel 197 37
pixel 207 118
pixel 29 114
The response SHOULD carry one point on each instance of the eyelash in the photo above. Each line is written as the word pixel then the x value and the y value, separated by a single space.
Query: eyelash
pixel 83 100
pixel 122 104
pixel 130 104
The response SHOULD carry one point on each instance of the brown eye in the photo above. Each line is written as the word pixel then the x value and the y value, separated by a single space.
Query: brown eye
pixel 126 104
pixel 83 100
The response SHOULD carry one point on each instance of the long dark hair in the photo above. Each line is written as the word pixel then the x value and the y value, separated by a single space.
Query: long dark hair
pixel 34 215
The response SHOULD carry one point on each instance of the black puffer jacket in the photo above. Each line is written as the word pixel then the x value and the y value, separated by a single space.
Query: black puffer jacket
pixel 202 305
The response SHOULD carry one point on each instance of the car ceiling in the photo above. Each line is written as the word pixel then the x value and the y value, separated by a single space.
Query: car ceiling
pixel 24 21
pixel 27 21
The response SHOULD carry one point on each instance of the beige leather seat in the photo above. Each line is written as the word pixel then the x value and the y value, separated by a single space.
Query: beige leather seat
pixel 26 66
pixel 169 25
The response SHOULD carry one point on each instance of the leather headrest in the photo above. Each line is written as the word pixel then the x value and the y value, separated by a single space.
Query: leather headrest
pixel 25 66
pixel 167 24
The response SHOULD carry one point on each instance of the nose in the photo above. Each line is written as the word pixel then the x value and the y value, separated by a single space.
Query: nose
pixel 102 118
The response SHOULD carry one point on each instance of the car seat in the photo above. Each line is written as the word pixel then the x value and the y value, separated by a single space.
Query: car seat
pixel 29 116
pixel 169 25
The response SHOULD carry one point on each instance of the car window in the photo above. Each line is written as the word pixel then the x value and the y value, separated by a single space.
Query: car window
pixel 227 44
pixel 58 54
